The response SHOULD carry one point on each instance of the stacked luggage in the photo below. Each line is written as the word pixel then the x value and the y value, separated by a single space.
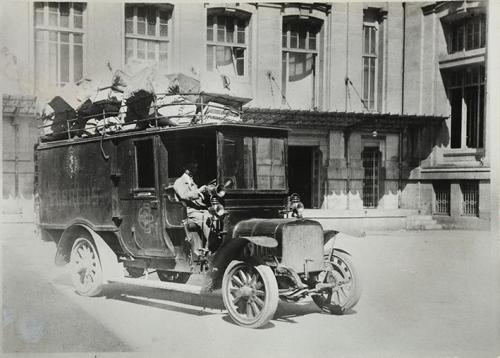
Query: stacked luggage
pixel 145 99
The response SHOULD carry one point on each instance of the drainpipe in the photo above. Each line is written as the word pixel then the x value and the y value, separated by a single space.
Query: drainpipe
pixel 15 126
pixel 400 162
pixel 400 169
pixel 346 78
pixel 403 61
pixel 347 134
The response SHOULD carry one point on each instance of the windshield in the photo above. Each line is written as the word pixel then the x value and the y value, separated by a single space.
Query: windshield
pixel 254 162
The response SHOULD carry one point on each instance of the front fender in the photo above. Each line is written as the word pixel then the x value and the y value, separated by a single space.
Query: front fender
pixel 109 261
pixel 232 249
pixel 329 239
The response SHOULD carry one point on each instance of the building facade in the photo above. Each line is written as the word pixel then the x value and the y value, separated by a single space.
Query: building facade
pixel 386 101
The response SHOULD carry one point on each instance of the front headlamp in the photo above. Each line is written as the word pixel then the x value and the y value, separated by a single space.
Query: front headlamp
pixel 218 209
pixel 298 209
pixel 295 205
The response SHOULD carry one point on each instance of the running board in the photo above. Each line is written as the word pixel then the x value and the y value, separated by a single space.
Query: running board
pixel 172 286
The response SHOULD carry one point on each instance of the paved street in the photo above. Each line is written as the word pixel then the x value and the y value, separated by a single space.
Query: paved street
pixel 426 294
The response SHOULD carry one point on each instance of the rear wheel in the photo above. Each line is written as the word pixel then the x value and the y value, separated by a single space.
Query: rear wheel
pixel 86 270
pixel 250 293
pixel 347 291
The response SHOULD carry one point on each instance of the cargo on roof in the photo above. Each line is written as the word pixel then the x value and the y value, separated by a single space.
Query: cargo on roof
pixel 145 99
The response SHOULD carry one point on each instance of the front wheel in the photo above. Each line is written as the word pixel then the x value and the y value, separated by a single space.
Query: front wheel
pixel 86 270
pixel 250 293
pixel 347 289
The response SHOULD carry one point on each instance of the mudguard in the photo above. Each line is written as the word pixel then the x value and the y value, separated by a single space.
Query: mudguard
pixel 329 240
pixel 232 249
pixel 264 241
pixel 111 268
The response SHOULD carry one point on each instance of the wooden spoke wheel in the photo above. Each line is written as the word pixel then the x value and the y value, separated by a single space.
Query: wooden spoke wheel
pixel 250 293
pixel 347 289
pixel 86 270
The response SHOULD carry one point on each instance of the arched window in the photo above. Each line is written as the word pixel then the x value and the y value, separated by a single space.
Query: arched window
pixel 300 50
pixel 227 41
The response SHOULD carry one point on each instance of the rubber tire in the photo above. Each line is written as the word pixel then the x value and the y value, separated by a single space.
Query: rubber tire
pixel 270 301
pixel 98 281
pixel 165 276
pixel 354 293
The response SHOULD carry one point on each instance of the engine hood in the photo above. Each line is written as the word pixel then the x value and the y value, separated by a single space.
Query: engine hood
pixel 269 227
pixel 300 241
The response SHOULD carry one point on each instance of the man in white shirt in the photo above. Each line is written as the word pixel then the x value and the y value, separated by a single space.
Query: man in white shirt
pixel 193 197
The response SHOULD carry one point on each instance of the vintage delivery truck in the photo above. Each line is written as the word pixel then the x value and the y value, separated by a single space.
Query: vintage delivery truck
pixel 109 205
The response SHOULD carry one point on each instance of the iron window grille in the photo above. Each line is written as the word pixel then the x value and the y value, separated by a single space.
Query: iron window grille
pixel 59 42
pixel 470 198
pixel 371 166
pixel 442 198
pixel 147 34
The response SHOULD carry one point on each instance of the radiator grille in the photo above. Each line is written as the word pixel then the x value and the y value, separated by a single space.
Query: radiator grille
pixel 301 243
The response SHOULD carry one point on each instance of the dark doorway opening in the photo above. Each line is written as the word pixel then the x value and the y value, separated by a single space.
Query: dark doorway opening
pixel 300 173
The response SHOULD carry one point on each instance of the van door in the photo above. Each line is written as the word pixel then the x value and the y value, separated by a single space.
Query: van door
pixel 142 228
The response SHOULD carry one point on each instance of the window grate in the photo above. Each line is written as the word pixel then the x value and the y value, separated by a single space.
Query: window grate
pixel 442 201
pixel 371 165
pixel 470 198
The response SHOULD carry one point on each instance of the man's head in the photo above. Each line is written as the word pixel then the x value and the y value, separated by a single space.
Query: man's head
pixel 191 168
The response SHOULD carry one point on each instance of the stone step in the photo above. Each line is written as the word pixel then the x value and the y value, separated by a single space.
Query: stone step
pixel 431 225
pixel 434 227
pixel 419 217
pixel 422 222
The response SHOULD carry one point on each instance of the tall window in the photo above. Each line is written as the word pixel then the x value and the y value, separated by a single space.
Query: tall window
pixel 147 33
pixel 227 42
pixel 370 63
pixel 371 58
pixel 466 95
pixel 300 42
pixel 59 42
pixel 467 34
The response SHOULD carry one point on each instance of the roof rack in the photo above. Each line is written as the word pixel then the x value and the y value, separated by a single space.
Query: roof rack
pixel 117 116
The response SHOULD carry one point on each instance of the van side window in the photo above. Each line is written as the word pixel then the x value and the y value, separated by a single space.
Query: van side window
pixel 145 164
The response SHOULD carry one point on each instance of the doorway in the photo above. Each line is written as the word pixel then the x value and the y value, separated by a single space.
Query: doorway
pixel 303 171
